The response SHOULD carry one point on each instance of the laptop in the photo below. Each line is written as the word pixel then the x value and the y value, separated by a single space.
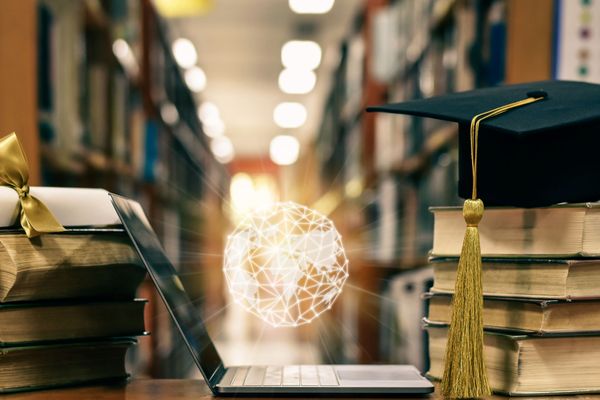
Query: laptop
pixel 259 379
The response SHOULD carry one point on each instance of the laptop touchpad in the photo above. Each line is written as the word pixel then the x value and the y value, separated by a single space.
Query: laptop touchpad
pixel 381 375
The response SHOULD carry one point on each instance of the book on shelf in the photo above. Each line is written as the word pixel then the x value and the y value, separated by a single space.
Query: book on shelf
pixel 402 308
pixel 529 278
pixel 529 316
pixel 26 323
pixel 566 230
pixel 44 366
pixel 530 365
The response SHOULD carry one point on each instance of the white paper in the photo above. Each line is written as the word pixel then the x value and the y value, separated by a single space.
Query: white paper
pixel 72 207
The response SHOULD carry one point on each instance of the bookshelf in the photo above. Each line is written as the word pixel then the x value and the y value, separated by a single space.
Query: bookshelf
pixel 405 164
pixel 89 114
pixel 18 78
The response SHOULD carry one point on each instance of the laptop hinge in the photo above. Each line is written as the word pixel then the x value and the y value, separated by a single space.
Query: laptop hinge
pixel 217 376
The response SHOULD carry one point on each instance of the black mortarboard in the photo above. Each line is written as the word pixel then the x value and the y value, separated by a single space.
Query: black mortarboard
pixel 544 153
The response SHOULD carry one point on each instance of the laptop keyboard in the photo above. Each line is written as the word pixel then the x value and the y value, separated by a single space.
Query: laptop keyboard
pixel 290 375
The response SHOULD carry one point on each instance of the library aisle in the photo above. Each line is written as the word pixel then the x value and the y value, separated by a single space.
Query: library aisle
pixel 205 111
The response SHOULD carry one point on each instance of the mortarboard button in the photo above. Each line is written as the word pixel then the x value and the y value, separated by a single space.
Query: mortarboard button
pixel 537 93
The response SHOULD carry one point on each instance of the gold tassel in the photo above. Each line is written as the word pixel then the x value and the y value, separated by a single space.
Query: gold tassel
pixel 465 375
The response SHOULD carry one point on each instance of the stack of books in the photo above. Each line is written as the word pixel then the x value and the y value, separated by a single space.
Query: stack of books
pixel 67 308
pixel 541 281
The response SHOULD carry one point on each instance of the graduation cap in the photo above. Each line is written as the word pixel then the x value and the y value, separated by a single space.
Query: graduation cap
pixel 542 154
pixel 526 145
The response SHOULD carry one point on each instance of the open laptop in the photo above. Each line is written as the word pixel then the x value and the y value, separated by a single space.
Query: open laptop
pixel 288 379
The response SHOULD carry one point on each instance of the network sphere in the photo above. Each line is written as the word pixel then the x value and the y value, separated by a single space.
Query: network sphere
pixel 285 264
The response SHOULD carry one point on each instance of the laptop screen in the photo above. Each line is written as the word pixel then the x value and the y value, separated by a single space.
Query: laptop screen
pixel 185 315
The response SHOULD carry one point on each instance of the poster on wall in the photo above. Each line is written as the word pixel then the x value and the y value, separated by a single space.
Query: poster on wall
pixel 576 50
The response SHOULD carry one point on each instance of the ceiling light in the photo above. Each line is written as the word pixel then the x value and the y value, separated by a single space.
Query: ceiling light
pixel 241 190
pixel 214 128
pixel 169 114
pixel 297 81
pixel 289 115
pixel 208 111
pixel 222 149
pixel 311 6
pixel 184 53
pixel 301 54
pixel 195 79
pixel 284 150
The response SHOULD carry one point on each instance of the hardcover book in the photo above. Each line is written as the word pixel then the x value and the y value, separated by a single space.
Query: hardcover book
pixel 530 278
pixel 26 323
pixel 567 230
pixel 46 366
pixel 520 365
pixel 530 316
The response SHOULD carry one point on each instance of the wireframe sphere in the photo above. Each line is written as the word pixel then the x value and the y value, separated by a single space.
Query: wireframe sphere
pixel 285 264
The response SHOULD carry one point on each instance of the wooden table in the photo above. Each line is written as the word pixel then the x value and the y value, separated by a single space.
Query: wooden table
pixel 183 389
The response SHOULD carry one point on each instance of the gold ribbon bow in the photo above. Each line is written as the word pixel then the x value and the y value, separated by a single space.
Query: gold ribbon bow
pixel 34 216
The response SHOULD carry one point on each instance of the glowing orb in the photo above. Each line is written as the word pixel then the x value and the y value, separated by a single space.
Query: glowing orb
pixel 285 264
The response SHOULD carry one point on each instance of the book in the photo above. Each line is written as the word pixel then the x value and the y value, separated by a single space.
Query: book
pixel 22 323
pixel 569 230
pixel 531 316
pixel 68 265
pixel 401 310
pixel 531 365
pixel 530 278
pixel 39 367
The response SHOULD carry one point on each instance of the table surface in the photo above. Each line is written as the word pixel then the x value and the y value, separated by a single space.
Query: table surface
pixel 180 389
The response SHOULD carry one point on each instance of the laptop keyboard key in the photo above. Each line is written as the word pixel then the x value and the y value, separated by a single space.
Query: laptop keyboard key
pixel 240 376
pixel 327 375
pixel 255 376
pixel 273 376
pixel 308 375
pixel 291 375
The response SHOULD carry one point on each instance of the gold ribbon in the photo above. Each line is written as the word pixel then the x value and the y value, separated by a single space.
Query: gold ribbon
pixel 34 216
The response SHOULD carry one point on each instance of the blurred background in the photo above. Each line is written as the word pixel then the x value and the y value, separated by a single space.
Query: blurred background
pixel 205 109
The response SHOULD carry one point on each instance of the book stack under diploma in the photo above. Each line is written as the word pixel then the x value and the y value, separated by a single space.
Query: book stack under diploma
pixel 541 282
pixel 68 312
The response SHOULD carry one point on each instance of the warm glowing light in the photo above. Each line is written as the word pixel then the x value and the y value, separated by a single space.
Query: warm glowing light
pixel 354 188
pixel 248 193
pixel 285 263
pixel 169 114
pixel 124 54
pixel 311 6
pixel 289 115
pixel 284 150
pixel 222 149
pixel 195 79
pixel 241 189
pixel 301 54
pixel 208 111
pixel 212 124
pixel 184 53
pixel 297 81
pixel 214 128
pixel 183 8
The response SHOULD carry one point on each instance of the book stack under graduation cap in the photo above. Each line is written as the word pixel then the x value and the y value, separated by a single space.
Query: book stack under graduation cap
pixel 541 282
pixel 528 145
pixel 68 312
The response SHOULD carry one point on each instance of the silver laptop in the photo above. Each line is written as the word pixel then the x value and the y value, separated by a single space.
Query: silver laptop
pixel 288 379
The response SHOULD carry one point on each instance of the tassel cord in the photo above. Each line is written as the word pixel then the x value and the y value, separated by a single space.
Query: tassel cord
pixel 465 374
